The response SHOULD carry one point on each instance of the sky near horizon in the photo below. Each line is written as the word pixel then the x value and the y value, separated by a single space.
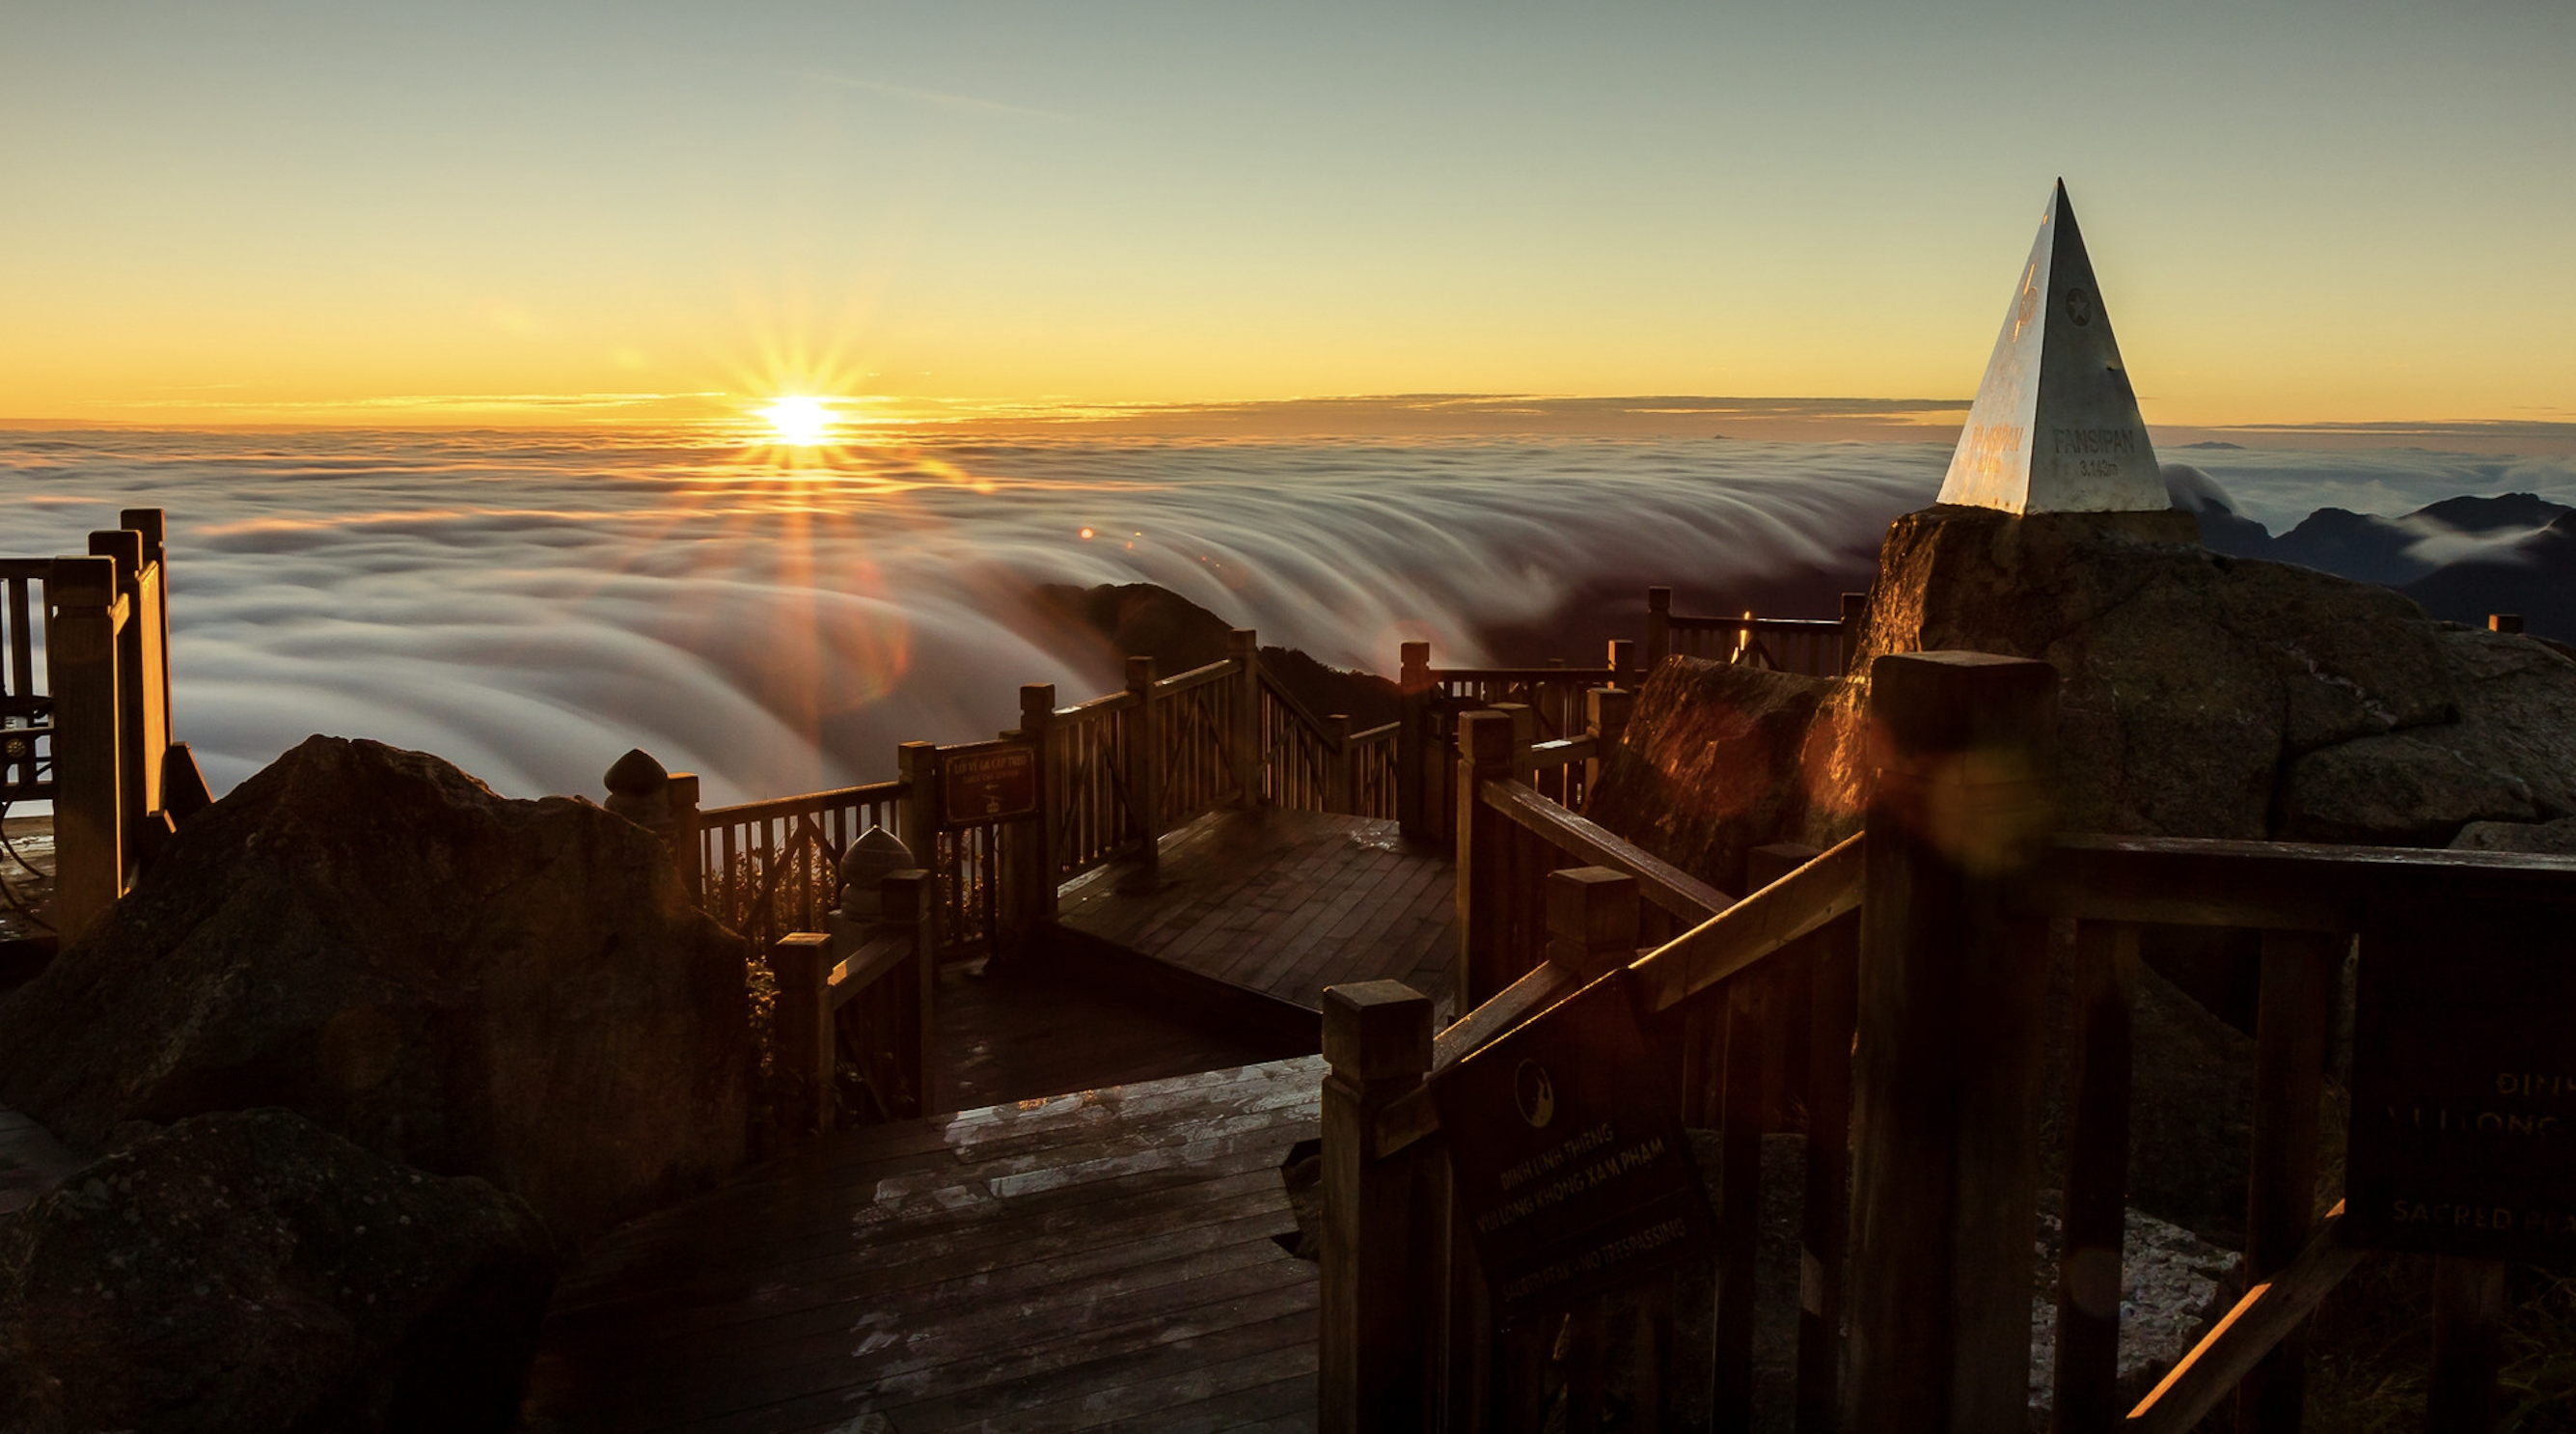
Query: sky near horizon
pixel 369 213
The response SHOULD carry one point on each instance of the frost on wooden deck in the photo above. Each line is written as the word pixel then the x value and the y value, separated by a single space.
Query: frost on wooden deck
pixel 1096 1259
pixel 1285 903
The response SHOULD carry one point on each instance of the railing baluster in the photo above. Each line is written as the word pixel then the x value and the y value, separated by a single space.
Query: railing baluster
pixel 2289 1067
pixel 2093 1227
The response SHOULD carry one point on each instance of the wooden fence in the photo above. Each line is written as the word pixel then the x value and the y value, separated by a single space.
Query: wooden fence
pixel 93 735
pixel 1892 990
pixel 1555 703
pixel 1818 647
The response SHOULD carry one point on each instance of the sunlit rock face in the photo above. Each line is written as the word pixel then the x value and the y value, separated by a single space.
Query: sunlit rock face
pixel 2217 697
pixel 241 1273
pixel 1713 765
pixel 468 984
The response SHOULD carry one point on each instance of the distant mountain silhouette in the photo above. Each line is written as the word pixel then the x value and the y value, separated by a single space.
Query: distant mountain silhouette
pixel 2534 576
pixel 2364 546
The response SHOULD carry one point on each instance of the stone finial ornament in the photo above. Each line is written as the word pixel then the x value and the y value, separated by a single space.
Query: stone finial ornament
pixel 638 788
pixel 869 860
pixel 2055 428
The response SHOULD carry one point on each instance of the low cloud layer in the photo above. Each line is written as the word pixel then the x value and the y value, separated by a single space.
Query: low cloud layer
pixel 529 605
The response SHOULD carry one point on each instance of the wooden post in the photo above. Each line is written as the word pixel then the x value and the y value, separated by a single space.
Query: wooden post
pixel 1947 1065
pixel 2290 1021
pixel 1141 755
pixel 1606 713
pixel 1341 793
pixel 143 653
pixel 2094 1231
pixel 1485 754
pixel 1825 1214
pixel 1751 1019
pixel 1659 627
pixel 83 612
pixel 917 822
pixel 904 900
pixel 2468 1312
pixel 1036 841
pixel 801 963
pixel 141 739
pixel 1524 733
pixel 687 851
pixel 1379 1306
pixel 1249 754
pixel 1412 762
pixel 154 526
pixel 2504 622
pixel 1591 920
pixel 1621 659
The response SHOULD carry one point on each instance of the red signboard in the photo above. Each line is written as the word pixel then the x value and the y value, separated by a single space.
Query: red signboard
pixel 987 782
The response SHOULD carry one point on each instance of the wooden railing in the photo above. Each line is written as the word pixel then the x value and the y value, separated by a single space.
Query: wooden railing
pixel 94 735
pixel 771 867
pixel 1817 647
pixel 1890 990
pixel 852 1026
pixel 1553 707
pixel 1556 703
pixel 26 706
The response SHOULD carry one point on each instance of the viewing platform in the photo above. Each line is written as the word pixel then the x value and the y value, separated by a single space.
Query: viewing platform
pixel 1093 1260
pixel 1256 912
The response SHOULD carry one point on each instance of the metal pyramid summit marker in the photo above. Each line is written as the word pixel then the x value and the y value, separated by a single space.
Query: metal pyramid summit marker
pixel 2055 428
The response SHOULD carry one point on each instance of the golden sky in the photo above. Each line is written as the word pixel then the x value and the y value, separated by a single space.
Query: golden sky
pixel 572 212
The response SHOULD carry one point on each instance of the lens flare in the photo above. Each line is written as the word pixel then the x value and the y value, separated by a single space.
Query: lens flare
pixel 800 421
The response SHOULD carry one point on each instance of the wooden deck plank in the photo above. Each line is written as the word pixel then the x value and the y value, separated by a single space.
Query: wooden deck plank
pixel 1072 1263
pixel 1284 904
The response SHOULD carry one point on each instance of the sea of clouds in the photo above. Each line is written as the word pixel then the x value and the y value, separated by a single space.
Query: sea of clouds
pixel 529 605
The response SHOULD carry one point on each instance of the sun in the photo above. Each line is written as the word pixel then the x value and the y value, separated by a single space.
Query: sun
pixel 800 421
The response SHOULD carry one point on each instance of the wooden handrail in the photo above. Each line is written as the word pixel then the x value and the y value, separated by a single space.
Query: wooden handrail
pixel 1757 624
pixel 1098 706
pixel 1659 881
pixel 1296 708
pixel 1383 732
pixel 1181 682
pixel 879 957
pixel 2269 1313
pixel 2272 886
pixel 1591 676
pixel 1562 752
pixel 1726 945
pixel 803 803
pixel 1732 941
pixel 1413 1117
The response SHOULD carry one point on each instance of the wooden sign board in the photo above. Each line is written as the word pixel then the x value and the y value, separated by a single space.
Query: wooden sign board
pixel 987 782
pixel 2464 1084
pixel 1570 1165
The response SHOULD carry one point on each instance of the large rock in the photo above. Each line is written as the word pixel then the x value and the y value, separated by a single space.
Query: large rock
pixel 471 985
pixel 2214 696
pixel 251 1272
pixel 2190 678
pixel 1710 765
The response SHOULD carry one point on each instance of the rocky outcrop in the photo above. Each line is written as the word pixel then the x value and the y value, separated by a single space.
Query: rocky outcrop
pixel 1710 766
pixel 470 985
pixel 251 1272
pixel 1115 621
pixel 2219 697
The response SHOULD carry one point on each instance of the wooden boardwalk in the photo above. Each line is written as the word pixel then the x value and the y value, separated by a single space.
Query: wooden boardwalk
pixel 1102 1259
pixel 1017 1031
pixel 1283 904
